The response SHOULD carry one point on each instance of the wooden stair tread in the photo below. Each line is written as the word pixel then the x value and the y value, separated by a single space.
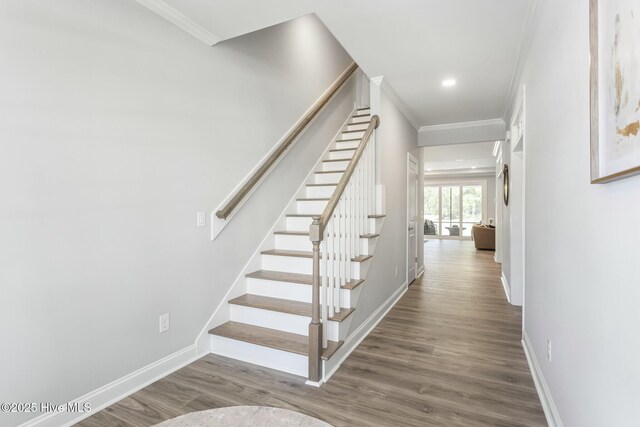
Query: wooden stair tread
pixel 272 338
pixel 377 216
pixel 349 140
pixel 312 199
pixel 303 215
pixel 302 279
pixel 285 306
pixel 322 185
pixel 331 172
pixel 291 233
pixel 306 233
pixel 342 149
pixel 336 160
pixel 306 254
pixel 353 131
pixel 361 115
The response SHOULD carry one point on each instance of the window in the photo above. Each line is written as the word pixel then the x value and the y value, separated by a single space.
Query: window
pixel 451 210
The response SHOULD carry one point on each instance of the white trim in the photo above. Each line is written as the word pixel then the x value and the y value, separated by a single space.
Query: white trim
pixel 356 337
pixel 313 383
pixel 462 125
pixel 180 20
pixel 203 337
pixel 506 286
pixel 531 22
pixel 116 390
pixel 412 159
pixel 546 399
pixel 421 271
pixel 396 100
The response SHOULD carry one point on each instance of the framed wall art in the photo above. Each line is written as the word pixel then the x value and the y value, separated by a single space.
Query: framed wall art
pixel 615 89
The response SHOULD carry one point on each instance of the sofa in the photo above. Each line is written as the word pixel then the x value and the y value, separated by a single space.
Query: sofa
pixel 484 237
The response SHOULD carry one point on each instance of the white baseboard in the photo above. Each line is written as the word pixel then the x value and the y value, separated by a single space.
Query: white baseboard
pixel 357 336
pixel 116 390
pixel 507 288
pixel 421 271
pixel 546 400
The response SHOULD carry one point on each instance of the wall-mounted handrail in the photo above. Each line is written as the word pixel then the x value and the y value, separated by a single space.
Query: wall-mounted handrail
pixel 353 205
pixel 288 141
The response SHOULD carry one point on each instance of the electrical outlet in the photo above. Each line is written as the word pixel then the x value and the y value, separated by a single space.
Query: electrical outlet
pixel 165 323
pixel 396 271
pixel 201 219
pixel 549 349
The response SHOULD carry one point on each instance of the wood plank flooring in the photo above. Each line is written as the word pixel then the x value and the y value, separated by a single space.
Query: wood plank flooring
pixel 448 354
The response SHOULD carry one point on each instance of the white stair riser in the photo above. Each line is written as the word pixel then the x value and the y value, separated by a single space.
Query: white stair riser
pixel 290 291
pixel 290 264
pixel 295 223
pixel 281 321
pixel 347 144
pixel 363 111
pixel 357 126
pixel 287 264
pixel 284 361
pixel 302 243
pixel 335 166
pixel 361 119
pixel 351 135
pixel 328 178
pixel 324 191
pixel 293 243
pixel 346 155
pixel 311 206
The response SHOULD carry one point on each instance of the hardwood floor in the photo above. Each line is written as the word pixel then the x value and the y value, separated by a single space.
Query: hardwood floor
pixel 447 354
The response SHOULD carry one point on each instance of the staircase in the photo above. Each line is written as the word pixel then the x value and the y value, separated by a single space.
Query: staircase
pixel 270 324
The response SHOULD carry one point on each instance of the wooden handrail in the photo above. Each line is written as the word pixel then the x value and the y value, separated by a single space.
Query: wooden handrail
pixel 344 180
pixel 286 144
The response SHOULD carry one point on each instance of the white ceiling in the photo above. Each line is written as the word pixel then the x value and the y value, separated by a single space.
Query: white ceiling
pixel 474 158
pixel 414 44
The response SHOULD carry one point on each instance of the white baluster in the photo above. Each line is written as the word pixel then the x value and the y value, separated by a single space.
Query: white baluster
pixel 331 266
pixel 349 229
pixel 323 290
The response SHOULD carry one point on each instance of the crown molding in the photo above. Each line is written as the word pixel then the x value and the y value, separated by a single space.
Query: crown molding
pixel 384 84
pixel 177 18
pixel 462 125
pixel 531 22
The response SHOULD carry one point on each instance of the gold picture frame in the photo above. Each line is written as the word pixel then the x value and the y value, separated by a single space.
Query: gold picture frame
pixel 615 138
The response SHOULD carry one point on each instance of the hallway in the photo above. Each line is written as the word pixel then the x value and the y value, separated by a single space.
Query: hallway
pixel 448 353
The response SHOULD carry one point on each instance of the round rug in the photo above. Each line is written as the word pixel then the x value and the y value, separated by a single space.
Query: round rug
pixel 244 416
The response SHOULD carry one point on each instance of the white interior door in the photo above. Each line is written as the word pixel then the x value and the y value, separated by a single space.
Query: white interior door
pixel 412 218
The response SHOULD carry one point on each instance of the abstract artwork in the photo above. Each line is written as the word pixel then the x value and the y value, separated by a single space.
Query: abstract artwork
pixel 615 89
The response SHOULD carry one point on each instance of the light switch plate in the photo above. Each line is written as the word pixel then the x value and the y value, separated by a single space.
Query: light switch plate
pixel 201 219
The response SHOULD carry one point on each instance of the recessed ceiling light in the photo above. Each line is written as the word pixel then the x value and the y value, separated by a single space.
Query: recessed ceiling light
pixel 429 170
pixel 473 167
pixel 448 82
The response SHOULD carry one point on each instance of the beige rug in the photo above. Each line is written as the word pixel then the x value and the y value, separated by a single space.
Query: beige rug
pixel 244 416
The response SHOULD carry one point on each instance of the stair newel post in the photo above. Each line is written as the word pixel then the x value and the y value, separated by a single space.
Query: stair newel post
pixel 315 327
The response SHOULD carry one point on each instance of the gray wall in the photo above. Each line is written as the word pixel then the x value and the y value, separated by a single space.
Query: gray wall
pixel 582 270
pixel 116 127
pixel 396 137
